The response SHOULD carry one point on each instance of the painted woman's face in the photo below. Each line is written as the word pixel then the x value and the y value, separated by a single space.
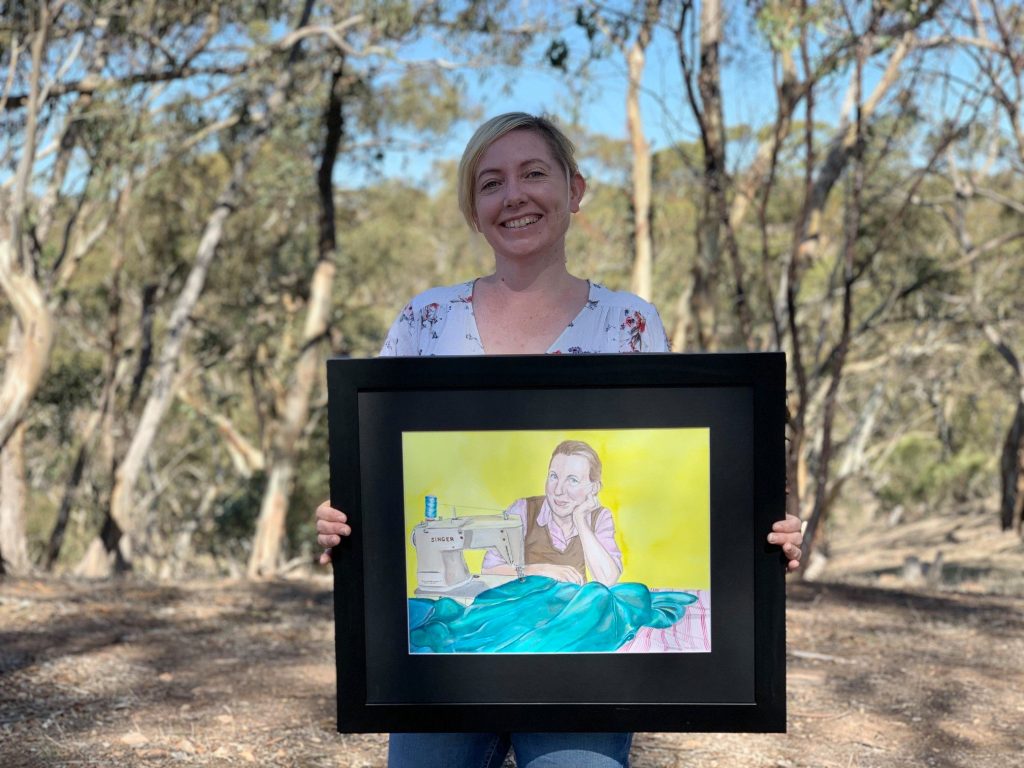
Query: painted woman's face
pixel 568 484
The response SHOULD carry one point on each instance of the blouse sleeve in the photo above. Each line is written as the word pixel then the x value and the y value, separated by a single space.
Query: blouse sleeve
pixel 655 338
pixel 640 329
pixel 401 340
pixel 604 530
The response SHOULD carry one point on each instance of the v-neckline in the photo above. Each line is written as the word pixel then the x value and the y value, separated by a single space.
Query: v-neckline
pixel 551 348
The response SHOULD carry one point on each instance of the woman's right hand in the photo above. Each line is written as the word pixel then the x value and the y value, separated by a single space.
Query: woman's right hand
pixel 556 572
pixel 331 525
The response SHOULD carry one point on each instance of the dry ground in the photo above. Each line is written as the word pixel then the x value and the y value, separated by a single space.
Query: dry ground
pixel 883 669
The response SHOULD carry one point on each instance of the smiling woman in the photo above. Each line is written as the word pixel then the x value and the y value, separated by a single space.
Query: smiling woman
pixel 519 186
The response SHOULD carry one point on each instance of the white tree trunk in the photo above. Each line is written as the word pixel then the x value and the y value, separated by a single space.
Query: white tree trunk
pixel 28 359
pixel 122 499
pixel 13 544
pixel 270 527
pixel 643 259
pixel 266 549
pixel 266 546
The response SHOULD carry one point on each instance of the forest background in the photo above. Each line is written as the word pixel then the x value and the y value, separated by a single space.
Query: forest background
pixel 203 201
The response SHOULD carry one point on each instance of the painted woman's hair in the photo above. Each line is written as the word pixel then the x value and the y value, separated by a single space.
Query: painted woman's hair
pixel 579 448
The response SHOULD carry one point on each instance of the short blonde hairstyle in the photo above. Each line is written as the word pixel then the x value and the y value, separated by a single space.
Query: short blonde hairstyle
pixel 579 448
pixel 562 148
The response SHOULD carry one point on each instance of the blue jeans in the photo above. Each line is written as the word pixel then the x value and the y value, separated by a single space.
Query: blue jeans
pixel 488 750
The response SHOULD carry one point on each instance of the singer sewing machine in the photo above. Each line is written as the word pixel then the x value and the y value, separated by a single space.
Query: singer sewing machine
pixel 441 569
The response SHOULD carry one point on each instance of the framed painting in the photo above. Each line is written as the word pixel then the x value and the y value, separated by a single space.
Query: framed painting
pixel 559 543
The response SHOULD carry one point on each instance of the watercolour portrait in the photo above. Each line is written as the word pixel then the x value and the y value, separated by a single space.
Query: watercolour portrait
pixel 693 474
pixel 655 483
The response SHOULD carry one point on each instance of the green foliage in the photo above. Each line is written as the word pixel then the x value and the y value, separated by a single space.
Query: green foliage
pixel 919 475
pixel 425 100
pixel 780 22
pixel 235 519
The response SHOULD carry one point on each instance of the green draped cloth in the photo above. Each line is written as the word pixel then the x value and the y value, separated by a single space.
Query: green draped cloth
pixel 541 615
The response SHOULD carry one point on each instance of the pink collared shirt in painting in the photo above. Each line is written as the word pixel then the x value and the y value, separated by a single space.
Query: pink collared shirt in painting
pixel 604 530
pixel 440 321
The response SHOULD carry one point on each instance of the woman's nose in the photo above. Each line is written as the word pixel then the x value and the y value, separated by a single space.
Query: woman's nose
pixel 513 193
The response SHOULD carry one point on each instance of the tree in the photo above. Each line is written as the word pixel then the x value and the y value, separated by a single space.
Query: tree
pixel 34 284
pixel 258 112
pixel 631 31
pixel 274 507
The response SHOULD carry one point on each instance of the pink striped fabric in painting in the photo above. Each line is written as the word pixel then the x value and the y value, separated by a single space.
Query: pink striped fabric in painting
pixel 691 634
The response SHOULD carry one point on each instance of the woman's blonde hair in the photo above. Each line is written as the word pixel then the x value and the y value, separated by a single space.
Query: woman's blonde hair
pixel 579 448
pixel 561 147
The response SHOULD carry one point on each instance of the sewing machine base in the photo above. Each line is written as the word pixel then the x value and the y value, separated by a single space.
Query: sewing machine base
pixel 464 593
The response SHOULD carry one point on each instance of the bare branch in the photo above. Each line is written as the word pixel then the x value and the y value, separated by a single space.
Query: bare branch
pixel 15 54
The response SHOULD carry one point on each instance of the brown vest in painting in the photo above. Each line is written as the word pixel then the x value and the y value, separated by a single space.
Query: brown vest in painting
pixel 539 548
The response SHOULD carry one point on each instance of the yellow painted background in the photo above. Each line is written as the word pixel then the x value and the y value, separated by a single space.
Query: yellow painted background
pixel 655 482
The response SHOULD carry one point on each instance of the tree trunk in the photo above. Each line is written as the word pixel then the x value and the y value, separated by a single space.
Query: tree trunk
pixel 1011 472
pixel 643 258
pixel 270 526
pixel 706 267
pixel 28 359
pixel 122 501
pixel 13 544
pixel 822 496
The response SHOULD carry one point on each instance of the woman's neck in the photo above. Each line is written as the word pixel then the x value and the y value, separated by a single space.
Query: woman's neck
pixel 522 311
pixel 530 280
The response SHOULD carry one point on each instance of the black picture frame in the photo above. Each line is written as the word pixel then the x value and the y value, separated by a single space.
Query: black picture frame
pixel 738 686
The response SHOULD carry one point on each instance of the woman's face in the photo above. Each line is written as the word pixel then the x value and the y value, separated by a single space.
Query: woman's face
pixel 523 200
pixel 568 483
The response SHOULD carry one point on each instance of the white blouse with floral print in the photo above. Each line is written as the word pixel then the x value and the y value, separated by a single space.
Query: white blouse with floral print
pixel 440 321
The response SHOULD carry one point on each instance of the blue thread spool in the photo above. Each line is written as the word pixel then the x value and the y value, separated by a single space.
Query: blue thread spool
pixel 430 511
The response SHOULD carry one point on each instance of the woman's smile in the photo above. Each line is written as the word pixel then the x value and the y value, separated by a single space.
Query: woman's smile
pixel 520 223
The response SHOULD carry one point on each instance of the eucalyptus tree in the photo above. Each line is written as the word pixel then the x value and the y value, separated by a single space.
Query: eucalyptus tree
pixel 70 152
pixel 982 181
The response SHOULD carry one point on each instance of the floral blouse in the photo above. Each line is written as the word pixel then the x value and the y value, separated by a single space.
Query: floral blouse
pixel 440 321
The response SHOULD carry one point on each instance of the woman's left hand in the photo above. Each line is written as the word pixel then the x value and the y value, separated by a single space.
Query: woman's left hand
pixel 580 513
pixel 787 534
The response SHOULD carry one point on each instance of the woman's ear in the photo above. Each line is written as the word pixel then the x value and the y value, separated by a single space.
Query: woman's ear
pixel 595 487
pixel 577 187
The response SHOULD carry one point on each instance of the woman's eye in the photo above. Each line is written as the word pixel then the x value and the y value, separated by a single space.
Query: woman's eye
pixel 573 481
pixel 488 185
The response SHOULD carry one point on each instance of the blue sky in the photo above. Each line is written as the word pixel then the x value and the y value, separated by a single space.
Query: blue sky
pixel 747 86
pixel 536 87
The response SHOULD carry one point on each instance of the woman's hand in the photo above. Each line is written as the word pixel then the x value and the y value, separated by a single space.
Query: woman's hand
pixel 601 565
pixel 787 534
pixel 331 525
pixel 581 513
pixel 556 572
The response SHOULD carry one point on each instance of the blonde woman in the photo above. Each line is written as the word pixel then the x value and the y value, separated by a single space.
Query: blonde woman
pixel 519 186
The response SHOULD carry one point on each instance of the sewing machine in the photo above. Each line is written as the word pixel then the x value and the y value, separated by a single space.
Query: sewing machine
pixel 441 569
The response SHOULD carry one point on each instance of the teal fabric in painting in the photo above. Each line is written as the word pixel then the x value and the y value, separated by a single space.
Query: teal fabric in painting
pixel 541 615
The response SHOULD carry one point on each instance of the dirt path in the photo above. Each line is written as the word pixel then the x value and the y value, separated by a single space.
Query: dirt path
pixel 220 673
